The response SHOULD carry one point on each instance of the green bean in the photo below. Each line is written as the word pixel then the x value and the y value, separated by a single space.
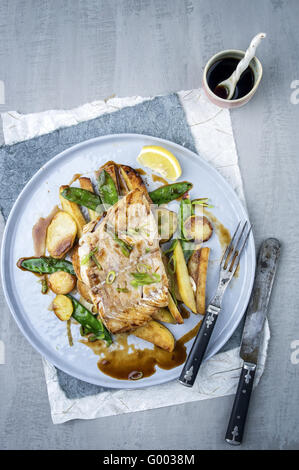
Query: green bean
pixel 83 197
pixel 107 189
pixel 169 192
pixel 45 265
pixel 89 322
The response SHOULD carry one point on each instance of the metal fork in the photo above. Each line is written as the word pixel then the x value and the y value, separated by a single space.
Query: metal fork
pixel 228 265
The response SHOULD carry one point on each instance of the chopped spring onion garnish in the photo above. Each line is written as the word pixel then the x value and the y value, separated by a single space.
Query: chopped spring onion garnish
pixel 122 289
pixel 69 332
pixel 125 247
pixel 94 259
pixel 89 255
pixel 203 201
pixel 171 265
pixel 143 268
pixel 110 277
pixel 135 375
pixel 142 279
pixel 138 230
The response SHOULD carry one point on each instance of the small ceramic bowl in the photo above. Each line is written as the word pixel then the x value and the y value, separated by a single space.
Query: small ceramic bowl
pixel 256 67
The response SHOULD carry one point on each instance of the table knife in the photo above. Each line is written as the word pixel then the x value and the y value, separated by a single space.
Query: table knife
pixel 253 327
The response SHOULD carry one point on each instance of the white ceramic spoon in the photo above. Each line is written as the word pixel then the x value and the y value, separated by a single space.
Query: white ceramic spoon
pixel 230 83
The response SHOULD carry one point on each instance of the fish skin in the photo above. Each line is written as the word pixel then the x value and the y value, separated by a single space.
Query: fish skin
pixel 133 221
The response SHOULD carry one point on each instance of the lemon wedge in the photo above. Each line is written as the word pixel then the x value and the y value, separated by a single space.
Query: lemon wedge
pixel 160 160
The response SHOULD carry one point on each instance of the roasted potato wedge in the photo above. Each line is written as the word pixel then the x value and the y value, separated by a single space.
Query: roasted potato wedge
pixel 163 315
pixel 132 179
pixel 61 234
pixel 193 265
pixel 73 210
pixel 62 282
pixel 83 290
pixel 157 334
pixel 198 228
pixel 86 183
pixel 183 280
pixel 202 280
pixel 176 291
pixel 76 262
pixel 167 222
pixel 62 307
pixel 174 310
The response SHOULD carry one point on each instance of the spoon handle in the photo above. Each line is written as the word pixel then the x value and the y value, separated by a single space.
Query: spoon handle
pixel 249 54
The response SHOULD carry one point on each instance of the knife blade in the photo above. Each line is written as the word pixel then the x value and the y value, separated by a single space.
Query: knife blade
pixel 255 317
pixel 258 304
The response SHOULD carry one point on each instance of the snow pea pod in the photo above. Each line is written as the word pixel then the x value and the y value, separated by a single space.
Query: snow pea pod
pixel 169 192
pixel 107 189
pixel 83 197
pixel 45 265
pixel 89 322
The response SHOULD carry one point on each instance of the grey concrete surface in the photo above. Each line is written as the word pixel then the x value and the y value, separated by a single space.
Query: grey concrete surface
pixel 59 54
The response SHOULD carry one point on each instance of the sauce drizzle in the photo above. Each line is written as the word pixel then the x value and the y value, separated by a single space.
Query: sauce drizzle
pixel 122 360
pixel 140 171
pixel 160 179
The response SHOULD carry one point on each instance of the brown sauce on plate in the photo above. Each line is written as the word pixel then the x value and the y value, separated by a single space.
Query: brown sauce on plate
pixel 160 179
pixel 140 171
pixel 222 233
pixel 124 361
pixel 75 178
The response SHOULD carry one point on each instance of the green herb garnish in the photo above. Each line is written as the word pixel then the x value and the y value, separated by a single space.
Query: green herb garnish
pixel 142 279
pixel 110 277
pixel 203 201
pixel 125 247
pixel 94 259
pixel 89 255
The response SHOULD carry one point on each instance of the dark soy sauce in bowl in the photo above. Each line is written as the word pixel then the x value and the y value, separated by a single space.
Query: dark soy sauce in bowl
pixel 221 70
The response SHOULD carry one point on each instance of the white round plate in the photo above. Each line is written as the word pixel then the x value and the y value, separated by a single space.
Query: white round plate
pixel 30 309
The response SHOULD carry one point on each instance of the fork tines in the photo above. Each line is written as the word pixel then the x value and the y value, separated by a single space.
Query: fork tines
pixel 232 254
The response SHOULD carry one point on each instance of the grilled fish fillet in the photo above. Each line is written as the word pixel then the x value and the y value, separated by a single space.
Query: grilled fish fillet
pixel 109 272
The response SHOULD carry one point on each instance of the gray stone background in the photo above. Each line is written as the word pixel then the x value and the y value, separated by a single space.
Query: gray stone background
pixel 60 54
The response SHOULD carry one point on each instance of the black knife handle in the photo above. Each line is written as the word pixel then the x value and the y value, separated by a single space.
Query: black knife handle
pixel 235 429
pixel 196 355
